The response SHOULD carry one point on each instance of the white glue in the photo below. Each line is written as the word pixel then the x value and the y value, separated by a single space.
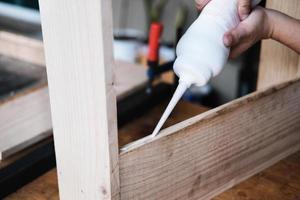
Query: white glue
pixel 201 53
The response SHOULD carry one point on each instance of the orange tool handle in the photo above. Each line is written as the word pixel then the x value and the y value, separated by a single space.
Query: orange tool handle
pixel 154 39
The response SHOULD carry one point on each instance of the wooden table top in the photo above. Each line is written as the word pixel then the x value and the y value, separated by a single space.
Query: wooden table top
pixel 279 182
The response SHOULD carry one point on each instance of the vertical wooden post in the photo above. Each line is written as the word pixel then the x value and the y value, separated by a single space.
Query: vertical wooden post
pixel 78 48
pixel 279 63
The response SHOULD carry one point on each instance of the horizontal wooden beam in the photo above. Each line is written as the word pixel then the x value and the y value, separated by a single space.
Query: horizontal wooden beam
pixel 129 77
pixel 21 47
pixel 204 156
pixel 25 120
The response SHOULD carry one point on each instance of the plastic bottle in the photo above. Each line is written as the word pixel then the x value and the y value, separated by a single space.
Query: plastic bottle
pixel 201 53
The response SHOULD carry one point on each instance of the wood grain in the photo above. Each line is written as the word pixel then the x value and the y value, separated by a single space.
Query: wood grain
pixel 279 182
pixel 210 153
pixel 46 186
pixel 278 63
pixel 24 121
pixel 79 57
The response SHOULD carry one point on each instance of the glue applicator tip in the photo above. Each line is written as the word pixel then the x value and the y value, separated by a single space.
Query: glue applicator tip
pixel 182 87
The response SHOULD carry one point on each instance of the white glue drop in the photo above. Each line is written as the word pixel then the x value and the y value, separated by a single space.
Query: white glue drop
pixel 182 87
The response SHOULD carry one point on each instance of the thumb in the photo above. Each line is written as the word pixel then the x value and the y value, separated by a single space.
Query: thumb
pixel 234 36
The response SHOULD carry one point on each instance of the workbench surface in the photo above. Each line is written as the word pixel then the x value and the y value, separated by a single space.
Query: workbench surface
pixel 279 182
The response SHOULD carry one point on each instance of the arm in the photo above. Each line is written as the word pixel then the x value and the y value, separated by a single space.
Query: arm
pixel 285 29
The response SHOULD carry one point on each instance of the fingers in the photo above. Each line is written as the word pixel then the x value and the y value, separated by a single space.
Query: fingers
pixel 200 4
pixel 244 8
pixel 238 40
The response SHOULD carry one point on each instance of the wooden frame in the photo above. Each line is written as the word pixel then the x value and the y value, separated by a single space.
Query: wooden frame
pixel 196 159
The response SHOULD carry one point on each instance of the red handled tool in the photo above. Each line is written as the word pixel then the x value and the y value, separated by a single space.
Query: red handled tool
pixel 155 33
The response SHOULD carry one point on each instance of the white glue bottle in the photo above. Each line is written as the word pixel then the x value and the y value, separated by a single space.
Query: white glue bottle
pixel 201 53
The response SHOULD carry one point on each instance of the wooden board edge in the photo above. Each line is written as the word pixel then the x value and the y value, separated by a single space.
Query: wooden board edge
pixel 25 144
pixel 22 93
pixel 22 47
pixel 213 113
pixel 34 97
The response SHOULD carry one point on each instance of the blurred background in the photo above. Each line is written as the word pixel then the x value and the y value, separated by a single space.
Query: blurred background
pixel 132 20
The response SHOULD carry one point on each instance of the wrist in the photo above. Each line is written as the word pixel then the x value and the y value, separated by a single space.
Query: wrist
pixel 269 24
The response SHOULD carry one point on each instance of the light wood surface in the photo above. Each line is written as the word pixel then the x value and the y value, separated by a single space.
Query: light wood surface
pixel 128 76
pixel 278 63
pixel 208 154
pixel 279 182
pixel 79 57
pixel 24 111
pixel 25 56
pixel 22 48
pixel 24 121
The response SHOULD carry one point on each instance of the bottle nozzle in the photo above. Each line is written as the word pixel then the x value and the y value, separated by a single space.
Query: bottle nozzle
pixel 182 87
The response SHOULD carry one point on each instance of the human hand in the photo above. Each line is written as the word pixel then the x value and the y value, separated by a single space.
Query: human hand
pixel 244 7
pixel 256 27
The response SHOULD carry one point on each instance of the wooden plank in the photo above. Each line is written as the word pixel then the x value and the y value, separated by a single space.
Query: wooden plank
pixel 22 48
pixel 129 76
pixel 79 58
pixel 204 156
pixel 24 105
pixel 278 63
pixel 279 182
pixel 24 120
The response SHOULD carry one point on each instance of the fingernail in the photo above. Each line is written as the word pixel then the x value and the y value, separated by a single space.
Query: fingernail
pixel 244 11
pixel 228 40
